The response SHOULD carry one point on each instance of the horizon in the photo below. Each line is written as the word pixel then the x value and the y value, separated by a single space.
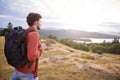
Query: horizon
pixel 54 29
pixel 86 15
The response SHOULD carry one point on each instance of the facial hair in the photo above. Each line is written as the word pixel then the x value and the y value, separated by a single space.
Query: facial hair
pixel 38 27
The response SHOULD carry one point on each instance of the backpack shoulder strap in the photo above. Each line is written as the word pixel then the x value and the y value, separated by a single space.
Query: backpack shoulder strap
pixel 30 31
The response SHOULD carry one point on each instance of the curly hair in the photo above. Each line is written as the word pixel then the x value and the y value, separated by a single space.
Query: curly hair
pixel 32 17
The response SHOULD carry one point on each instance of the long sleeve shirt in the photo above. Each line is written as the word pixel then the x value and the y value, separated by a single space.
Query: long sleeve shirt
pixel 34 51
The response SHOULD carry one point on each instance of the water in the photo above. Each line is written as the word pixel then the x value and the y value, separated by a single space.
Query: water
pixel 96 40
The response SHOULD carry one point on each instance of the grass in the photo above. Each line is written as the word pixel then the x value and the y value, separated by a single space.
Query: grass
pixel 115 57
pixel 56 72
pixel 87 56
pixel 52 53
pixel 69 72
pixel 5 69
pixel 61 71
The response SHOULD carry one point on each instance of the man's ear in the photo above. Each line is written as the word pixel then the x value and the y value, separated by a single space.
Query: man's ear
pixel 35 23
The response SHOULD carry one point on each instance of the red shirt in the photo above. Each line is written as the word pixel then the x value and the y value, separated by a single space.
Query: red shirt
pixel 34 51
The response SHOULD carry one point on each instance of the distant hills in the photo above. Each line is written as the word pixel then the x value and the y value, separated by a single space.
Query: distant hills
pixel 75 34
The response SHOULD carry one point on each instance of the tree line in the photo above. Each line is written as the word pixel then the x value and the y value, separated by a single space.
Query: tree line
pixel 9 27
pixel 113 47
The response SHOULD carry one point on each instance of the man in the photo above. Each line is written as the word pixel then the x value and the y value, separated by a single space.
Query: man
pixel 34 50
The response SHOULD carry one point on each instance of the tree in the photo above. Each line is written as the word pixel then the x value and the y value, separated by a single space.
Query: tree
pixel 10 25
pixel 2 32
pixel 116 40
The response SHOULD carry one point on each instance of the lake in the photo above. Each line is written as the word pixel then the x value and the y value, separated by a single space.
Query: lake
pixel 94 40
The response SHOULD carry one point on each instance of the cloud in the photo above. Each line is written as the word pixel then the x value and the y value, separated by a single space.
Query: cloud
pixel 52 23
pixel 111 26
pixel 12 17
pixel 17 21
pixel 26 6
pixel 72 14
pixel 4 16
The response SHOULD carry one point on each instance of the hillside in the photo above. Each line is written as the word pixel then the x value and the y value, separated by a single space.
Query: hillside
pixel 75 34
pixel 60 62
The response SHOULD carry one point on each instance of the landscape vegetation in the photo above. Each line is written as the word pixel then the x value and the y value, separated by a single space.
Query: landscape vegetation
pixel 64 59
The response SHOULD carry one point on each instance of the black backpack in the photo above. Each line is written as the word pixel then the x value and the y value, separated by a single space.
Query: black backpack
pixel 15 48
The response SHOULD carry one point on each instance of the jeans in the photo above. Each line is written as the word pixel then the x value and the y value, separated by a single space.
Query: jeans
pixel 21 76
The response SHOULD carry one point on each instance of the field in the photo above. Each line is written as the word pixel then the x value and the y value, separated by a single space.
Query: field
pixel 60 62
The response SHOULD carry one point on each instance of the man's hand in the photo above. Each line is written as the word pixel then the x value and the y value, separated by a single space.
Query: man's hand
pixel 43 45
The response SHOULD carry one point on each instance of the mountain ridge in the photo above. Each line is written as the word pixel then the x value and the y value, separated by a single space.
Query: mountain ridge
pixel 75 34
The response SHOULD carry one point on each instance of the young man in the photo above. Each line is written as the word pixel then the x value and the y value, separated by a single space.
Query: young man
pixel 34 50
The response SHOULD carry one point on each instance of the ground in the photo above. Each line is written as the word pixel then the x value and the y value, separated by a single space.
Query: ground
pixel 60 62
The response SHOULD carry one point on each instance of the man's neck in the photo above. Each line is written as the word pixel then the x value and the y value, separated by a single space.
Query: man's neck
pixel 33 28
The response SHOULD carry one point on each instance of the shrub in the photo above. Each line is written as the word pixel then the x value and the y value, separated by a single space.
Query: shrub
pixel 75 45
pixel 96 48
pixel 52 37
pixel 115 48
pixel 67 42
pixel 81 46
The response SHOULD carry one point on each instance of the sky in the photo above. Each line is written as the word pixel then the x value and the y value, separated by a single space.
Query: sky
pixel 88 15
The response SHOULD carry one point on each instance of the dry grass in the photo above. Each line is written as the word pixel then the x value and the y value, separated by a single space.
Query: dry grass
pixel 5 70
pixel 70 72
pixel 87 56
pixel 70 69
pixel 52 53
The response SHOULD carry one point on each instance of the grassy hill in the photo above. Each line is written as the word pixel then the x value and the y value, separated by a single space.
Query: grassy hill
pixel 60 62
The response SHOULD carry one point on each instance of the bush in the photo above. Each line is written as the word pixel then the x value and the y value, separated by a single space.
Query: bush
pixel 2 32
pixel 52 37
pixel 115 48
pixel 67 42
pixel 96 48
pixel 81 46
pixel 75 45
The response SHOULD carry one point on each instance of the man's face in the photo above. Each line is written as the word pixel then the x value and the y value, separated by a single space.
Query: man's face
pixel 39 24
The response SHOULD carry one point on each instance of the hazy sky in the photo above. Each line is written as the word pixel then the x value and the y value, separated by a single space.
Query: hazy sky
pixel 88 15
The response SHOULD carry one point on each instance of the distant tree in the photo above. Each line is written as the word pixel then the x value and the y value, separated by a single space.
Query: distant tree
pixel 116 40
pixel 10 25
pixel 104 41
pixel 2 32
